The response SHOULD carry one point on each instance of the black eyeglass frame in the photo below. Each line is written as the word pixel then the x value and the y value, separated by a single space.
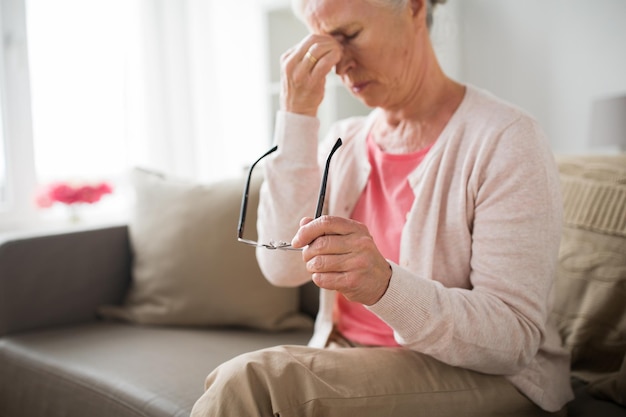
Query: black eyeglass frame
pixel 244 202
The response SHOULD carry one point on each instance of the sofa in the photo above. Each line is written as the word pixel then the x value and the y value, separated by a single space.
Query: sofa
pixel 128 319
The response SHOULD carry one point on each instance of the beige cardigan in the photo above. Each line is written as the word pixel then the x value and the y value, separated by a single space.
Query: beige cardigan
pixel 478 251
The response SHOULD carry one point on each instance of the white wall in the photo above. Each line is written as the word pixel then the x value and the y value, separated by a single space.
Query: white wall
pixel 238 67
pixel 550 57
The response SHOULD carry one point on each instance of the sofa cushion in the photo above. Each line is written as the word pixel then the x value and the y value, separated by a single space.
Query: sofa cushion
pixel 589 405
pixel 117 369
pixel 590 286
pixel 611 387
pixel 188 267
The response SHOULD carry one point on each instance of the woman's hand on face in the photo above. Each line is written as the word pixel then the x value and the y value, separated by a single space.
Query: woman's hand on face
pixel 303 73
pixel 341 255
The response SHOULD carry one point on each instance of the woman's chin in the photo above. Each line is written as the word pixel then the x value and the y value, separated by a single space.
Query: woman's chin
pixel 368 100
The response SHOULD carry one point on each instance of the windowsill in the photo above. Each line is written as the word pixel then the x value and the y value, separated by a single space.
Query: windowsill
pixel 61 226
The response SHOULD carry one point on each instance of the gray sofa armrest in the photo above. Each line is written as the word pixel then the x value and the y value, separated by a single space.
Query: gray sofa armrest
pixel 58 279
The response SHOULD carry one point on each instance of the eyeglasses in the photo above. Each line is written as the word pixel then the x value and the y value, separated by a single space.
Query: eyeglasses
pixel 244 203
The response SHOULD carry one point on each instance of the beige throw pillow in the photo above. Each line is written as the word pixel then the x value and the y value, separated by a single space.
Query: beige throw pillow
pixel 188 268
pixel 590 286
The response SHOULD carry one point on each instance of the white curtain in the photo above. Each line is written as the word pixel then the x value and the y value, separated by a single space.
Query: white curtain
pixel 197 103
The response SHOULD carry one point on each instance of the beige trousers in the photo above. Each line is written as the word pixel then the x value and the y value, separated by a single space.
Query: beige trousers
pixel 354 382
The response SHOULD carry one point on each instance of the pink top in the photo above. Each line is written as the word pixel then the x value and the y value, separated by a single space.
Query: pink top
pixel 387 196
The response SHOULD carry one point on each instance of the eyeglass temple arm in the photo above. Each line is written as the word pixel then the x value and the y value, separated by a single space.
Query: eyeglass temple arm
pixel 244 198
pixel 322 196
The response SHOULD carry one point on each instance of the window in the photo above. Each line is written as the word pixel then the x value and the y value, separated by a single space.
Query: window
pixel 77 56
pixel 3 152
pixel 62 99
pixel 3 167
pixel 106 85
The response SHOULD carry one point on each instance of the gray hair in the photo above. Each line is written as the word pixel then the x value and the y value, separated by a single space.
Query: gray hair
pixel 397 5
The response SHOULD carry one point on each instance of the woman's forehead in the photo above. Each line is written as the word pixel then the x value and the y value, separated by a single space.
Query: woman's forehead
pixel 329 16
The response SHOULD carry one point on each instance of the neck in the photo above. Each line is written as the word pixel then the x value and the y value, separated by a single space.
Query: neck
pixel 416 123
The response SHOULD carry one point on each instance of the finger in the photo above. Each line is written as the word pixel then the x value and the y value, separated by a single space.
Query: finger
pixel 361 281
pixel 319 53
pixel 324 225
pixel 303 221
pixel 333 262
pixel 354 253
pixel 310 57
pixel 315 52
pixel 306 220
pixel 303 73
pixel 329 281
pixel 302 83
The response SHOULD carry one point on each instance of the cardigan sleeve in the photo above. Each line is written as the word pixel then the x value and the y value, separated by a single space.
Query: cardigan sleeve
pixel 291 179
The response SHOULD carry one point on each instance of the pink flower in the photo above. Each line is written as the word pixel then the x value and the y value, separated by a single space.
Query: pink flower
pixel 71 194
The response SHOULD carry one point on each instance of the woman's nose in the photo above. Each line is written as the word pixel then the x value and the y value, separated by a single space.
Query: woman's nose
pixel 345 64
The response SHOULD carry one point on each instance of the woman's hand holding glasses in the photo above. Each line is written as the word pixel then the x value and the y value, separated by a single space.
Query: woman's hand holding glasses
pixel 341 255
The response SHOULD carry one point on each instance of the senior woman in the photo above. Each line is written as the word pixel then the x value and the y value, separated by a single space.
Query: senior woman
pixel 437 249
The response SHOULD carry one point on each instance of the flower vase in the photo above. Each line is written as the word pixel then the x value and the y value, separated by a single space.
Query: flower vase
pixel 74 213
